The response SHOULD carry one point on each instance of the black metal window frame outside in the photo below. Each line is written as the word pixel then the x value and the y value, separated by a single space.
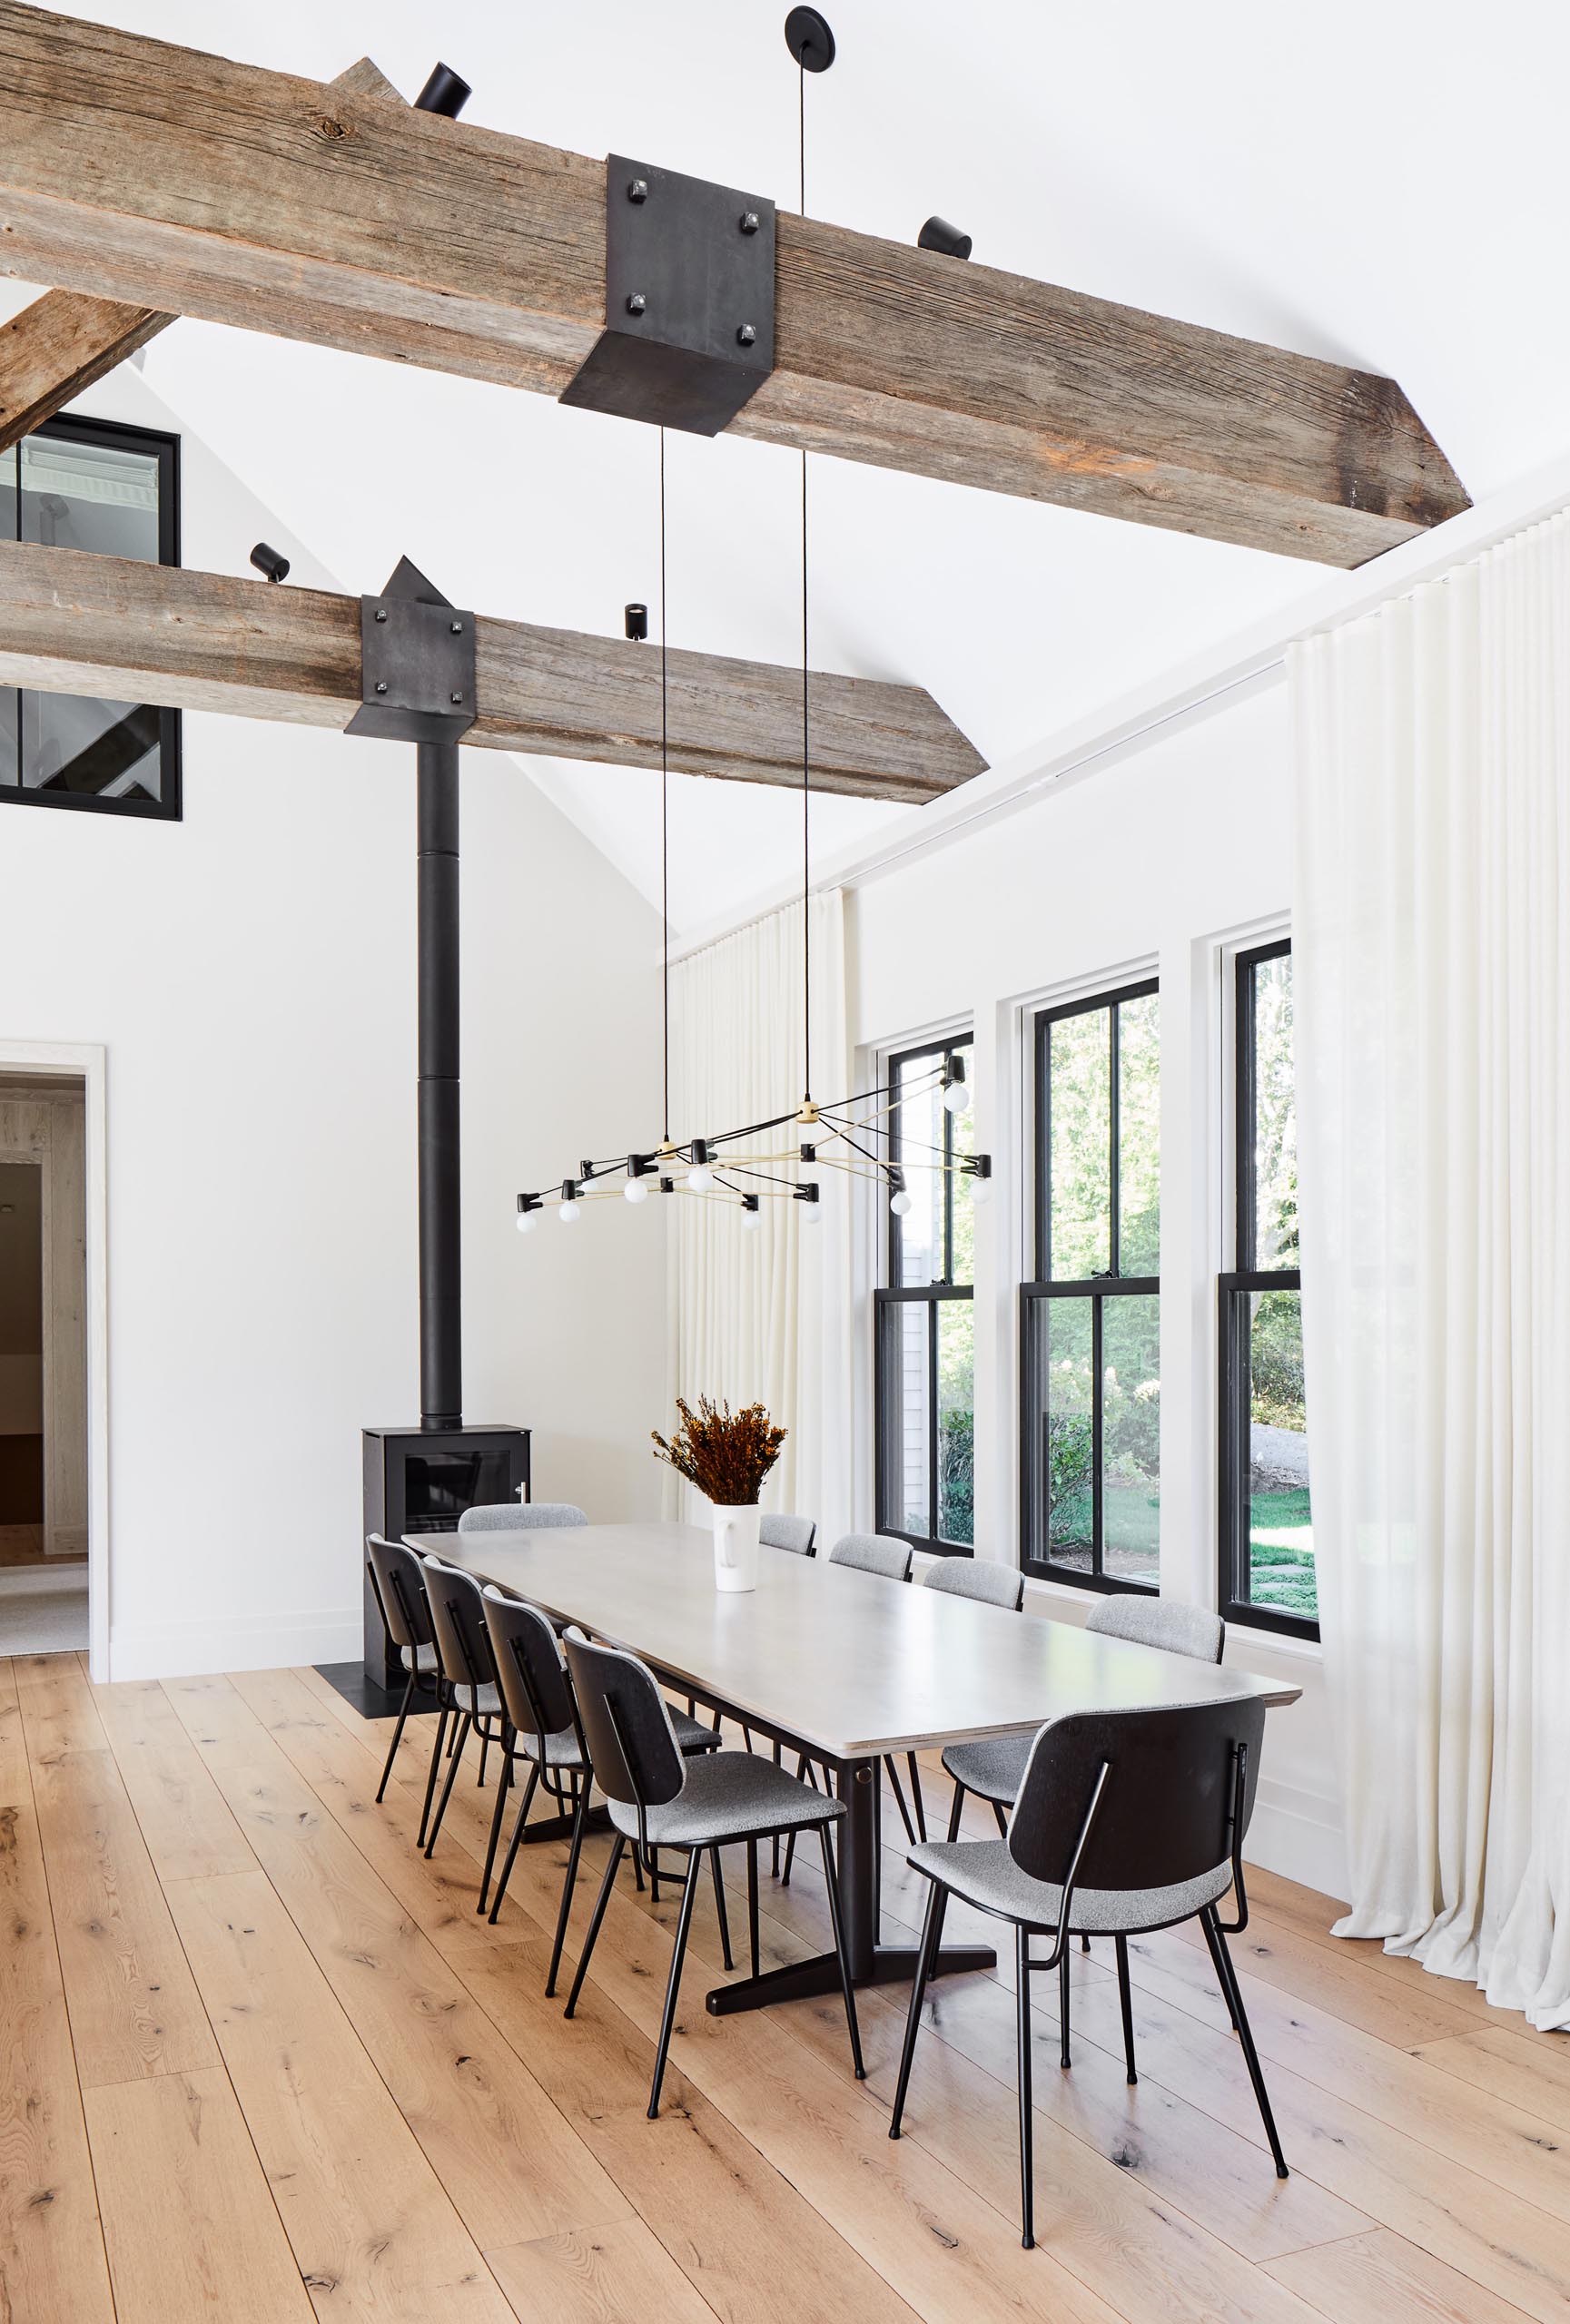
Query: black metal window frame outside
pixel 121 436
pixel 1234 1288
pixel 1096 1288
pixel 887 1407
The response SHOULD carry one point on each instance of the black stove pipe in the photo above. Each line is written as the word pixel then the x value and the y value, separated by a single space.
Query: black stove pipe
pixel 440 1231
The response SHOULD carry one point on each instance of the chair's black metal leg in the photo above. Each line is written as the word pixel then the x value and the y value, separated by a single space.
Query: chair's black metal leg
pixel 841 1955
pixel 580 1817
pixel 503 1785
pixel 1063 2002
pixel 653 1874
pixel 606 1883
pixel 396 1738
pixel 514 1844
pixel 894 1776
pixel 1084 1944
pixel 932 1929
pixel 998 1811
pixel 718 1902
pixel 1234 1991
pixel 1027 2111
pixel 678 1953
pixel 454 1756
pixel 773 1860
pixel 752 1898
pixel 790 1857
pixel 484 1746
pixel 1220 1968
pixel 439 1739
pixel 917 1802
pixel 954 1811
pixel 1126 1999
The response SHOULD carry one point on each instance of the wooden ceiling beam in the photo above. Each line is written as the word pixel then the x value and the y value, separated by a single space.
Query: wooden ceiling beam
pixel 74 623
pixel 168 179
pixel 55 349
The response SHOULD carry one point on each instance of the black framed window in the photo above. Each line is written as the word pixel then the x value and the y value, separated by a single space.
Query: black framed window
pixel 1090 1324
pixel 92 484
pixel 924 1316
pixel 1266 1529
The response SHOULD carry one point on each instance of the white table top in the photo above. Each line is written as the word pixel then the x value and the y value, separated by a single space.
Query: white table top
pixel 850 1663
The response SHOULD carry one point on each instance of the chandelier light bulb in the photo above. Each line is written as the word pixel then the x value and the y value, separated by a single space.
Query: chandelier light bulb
pixel 900 1204
pixel 751 1220
pixel 527 1221
pixel 699 1179
pixel 567 1213
pixel 956 1098
pixel 636 1190
pixel 814 1210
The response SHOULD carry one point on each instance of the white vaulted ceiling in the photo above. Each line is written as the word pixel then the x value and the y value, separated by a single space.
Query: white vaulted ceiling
pixel 1381 185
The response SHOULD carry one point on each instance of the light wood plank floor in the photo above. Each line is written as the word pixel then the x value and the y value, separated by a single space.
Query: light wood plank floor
pixel 260 2061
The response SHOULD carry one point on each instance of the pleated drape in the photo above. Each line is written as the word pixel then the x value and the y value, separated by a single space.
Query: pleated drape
pixel 767 1315
pixel 1431 942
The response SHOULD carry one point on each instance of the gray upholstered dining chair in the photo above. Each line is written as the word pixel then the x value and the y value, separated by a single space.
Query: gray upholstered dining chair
pixel 797 1534
pixel 993 1769
pixel 397 1582
pixel 544 1728
pixel 521 1516
pixel 990 1584
pixel 660 1799
pixel 983 1579
pixel 1127 1822
pixel 883 1554
pixel 469 1690
pixel 874 1553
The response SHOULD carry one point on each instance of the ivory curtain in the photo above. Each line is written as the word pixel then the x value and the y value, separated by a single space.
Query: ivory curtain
pixel 1432 939
pixel 767 1315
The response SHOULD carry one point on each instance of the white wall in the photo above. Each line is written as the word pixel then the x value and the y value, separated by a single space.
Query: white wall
pixel 251 971
pixel 1156 863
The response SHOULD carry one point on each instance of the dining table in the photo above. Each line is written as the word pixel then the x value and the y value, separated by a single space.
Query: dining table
pixel 840 1666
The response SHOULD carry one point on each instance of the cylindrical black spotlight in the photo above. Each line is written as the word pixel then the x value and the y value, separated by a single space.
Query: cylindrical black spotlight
pixel 446 91
pixel 809 40
pixel 636 620
pixel 270 562
pixel 937 234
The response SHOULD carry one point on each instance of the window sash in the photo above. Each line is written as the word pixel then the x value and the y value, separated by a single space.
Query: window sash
pixel 1033 1492
pixel 897 1065
pixel 66 428
pixel 1232 1337
pixel 889 1407
pixel 1108 1004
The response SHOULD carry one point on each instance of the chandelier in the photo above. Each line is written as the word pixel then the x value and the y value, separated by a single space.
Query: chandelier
pixel 783 1158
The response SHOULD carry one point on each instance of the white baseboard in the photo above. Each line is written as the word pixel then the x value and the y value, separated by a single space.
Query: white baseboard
pixel 191 1649
pixel 1299 1834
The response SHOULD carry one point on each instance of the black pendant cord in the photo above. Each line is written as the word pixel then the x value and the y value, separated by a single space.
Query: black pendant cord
pixel 663 815
pixel 806 732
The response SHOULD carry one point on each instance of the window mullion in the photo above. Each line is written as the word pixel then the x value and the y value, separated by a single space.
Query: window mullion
pixel 1098 1511
pixel 1114 1190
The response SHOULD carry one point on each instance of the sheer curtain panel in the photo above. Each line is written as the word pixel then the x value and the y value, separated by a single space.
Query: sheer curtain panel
pixel 767 1315
pixel 1432 941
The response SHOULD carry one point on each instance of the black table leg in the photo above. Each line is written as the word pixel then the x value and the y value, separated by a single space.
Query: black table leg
pixel 860 1884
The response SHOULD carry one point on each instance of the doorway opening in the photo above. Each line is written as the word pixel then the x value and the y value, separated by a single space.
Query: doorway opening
pixel 43 1365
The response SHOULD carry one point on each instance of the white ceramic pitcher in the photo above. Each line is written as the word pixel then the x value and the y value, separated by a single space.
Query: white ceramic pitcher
pixel 735 1548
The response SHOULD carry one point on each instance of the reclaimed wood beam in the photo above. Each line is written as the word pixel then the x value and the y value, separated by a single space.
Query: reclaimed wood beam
pixel 59 345
pixel 164 177
pixel 74 623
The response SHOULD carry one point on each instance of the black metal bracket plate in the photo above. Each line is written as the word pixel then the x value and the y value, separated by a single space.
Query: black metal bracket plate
pixel 689 273
pixel 417 664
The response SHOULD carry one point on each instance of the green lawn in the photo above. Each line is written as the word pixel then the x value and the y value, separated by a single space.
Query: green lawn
pixel 1282 1553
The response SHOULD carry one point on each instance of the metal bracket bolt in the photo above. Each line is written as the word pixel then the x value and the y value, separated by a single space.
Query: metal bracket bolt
pixel 746 334
pixel 636 303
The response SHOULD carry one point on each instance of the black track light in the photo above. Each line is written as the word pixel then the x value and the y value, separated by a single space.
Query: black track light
pixel 636 620
pixel 446 91
pixel 270 562
pixel 937 234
